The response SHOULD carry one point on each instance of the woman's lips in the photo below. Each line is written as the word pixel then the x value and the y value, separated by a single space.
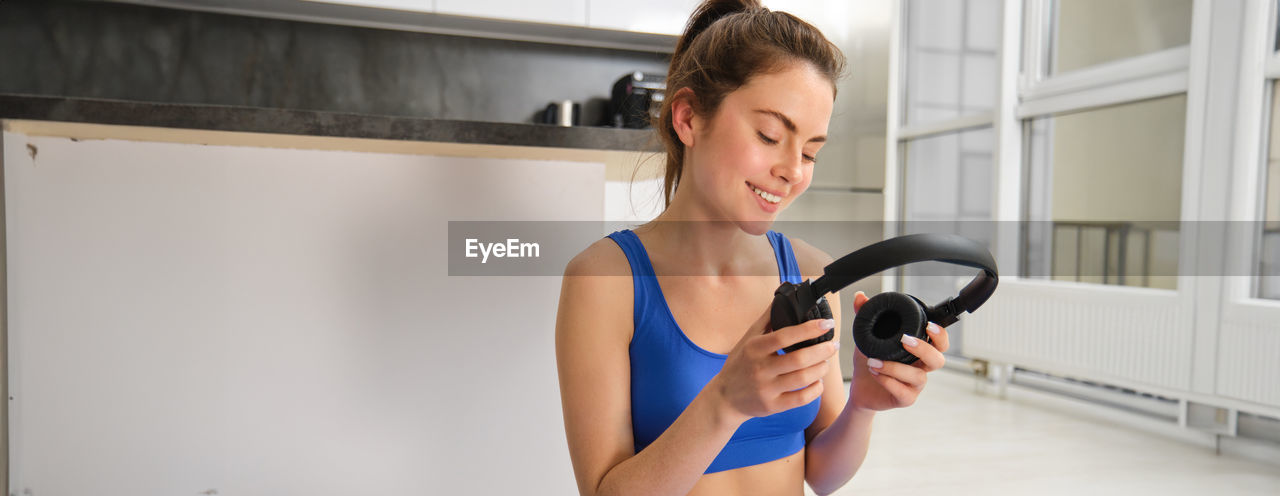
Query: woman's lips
pixel 764 205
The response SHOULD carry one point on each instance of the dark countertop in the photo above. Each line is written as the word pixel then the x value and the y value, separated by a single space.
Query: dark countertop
pixel 318 123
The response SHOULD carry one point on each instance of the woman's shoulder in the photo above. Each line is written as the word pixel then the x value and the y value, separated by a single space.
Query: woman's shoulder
pixel 601 258
pixel 596 296
pixel 811 259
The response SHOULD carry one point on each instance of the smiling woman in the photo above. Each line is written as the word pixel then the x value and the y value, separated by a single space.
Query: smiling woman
pixel 765 135
pixel 670 380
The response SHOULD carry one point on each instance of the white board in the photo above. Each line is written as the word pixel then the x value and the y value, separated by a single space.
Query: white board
pixel 189 319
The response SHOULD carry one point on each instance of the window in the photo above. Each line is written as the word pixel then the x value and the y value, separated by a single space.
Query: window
pixel 1104 194
pixel 1269 257
pixel 950 59
pixel 950 52
pixel 1091 32
pixel 948 177
pixel 949 188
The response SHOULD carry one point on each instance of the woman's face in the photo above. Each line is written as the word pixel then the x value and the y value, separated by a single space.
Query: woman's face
pixel 763 138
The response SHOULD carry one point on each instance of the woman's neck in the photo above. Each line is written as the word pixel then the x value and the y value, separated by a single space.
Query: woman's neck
pixel 705 246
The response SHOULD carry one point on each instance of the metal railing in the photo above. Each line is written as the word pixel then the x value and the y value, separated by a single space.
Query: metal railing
pixel 1116 238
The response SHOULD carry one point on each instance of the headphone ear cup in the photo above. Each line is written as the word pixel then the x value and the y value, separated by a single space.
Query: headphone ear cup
pixel 824 308
pixel 880 323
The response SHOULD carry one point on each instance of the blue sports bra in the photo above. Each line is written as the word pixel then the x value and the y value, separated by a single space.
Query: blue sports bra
pixel 668 370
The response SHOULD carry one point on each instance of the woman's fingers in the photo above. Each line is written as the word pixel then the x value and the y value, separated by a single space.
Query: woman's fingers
pixel 858 299
pixel 903 394
pixel 793 399
pixel 792 381
pixel 803 357
pixel 937 334
pixel 930 358
pixel 908 375
pixel 787 336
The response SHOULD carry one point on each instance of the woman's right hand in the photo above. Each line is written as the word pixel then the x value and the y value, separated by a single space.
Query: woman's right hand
pixel 756 381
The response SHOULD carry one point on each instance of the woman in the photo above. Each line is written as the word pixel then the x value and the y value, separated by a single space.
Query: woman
pixel 670 384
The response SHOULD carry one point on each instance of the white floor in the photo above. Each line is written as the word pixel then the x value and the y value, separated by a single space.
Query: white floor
pixel 953 441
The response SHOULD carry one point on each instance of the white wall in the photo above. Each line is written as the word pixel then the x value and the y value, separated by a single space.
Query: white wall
pixel 186 318
pixel 633 188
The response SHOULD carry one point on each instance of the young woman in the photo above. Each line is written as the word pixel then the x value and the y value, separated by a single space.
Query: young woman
pixel 669 383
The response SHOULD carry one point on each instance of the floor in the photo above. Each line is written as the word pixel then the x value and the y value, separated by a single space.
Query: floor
pixel 955 440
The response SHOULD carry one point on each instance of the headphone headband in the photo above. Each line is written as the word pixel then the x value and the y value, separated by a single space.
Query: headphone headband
pixel 902 250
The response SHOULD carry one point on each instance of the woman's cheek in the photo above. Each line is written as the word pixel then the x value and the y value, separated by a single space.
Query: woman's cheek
pixel 804 186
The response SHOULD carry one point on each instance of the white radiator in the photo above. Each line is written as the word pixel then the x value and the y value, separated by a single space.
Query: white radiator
pixel 1107 333
pixel 1248 359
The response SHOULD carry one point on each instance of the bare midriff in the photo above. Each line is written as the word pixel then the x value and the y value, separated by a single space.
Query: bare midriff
pixel 784 476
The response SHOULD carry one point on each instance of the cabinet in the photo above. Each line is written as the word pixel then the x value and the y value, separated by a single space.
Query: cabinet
pixel 654 16
pixel 567 12
pixel 409 5
pixel 669 16
pixel 649 27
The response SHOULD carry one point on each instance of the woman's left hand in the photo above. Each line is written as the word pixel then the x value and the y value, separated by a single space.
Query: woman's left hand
pixel 881 385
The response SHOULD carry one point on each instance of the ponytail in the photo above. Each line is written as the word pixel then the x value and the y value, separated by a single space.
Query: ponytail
pixel 709 12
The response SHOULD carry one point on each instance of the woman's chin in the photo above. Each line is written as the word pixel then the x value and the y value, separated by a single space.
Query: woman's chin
pixel 756 227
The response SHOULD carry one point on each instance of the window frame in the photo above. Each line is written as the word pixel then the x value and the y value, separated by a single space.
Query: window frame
pixel 898 95
pixel 1152 75
pixel 1224 158
pixel 1260 73
pixel 1025 92
pixel 899 135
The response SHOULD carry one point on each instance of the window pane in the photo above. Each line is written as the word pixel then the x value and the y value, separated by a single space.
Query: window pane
pixel 1269 259
pixel 948 177
pixel 951 68
pixel 1105 194
pixel 1091 32
pixel 948 188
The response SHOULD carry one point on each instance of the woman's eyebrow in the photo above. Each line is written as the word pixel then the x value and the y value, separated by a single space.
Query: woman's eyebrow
pixel 786 122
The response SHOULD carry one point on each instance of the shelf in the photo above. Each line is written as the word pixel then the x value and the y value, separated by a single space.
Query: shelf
pixel 318 123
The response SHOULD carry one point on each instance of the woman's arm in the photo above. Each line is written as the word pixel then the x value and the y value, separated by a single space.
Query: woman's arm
pixel 839 449
pixel 839 436
pixel 593 330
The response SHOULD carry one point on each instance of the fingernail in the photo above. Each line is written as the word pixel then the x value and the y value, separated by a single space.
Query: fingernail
pixel 837 345
pixel 933 328
pixel 910 341
pixel 874 371
pixel 874 363
pixel 827 324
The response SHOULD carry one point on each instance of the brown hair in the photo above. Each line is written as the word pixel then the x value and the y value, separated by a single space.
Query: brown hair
pixel 725 43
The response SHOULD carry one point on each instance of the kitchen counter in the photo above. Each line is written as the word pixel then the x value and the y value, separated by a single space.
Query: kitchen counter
pixel 628 154
pixel 319 124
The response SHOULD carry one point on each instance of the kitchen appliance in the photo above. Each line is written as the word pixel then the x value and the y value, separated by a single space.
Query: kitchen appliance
pixel 636 98
pixel 562 113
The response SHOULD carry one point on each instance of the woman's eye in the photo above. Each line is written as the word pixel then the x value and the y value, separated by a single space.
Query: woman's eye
pixel 807 158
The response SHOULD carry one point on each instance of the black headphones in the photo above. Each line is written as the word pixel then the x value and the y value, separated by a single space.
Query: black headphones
pixel 880 323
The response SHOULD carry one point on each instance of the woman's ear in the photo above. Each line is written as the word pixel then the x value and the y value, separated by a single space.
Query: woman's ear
pixel 683 118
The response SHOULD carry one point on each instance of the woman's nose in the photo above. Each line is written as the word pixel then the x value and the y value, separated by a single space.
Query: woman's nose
pixel 790 168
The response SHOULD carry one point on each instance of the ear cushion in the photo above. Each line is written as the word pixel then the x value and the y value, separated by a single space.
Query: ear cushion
pixel 880 323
